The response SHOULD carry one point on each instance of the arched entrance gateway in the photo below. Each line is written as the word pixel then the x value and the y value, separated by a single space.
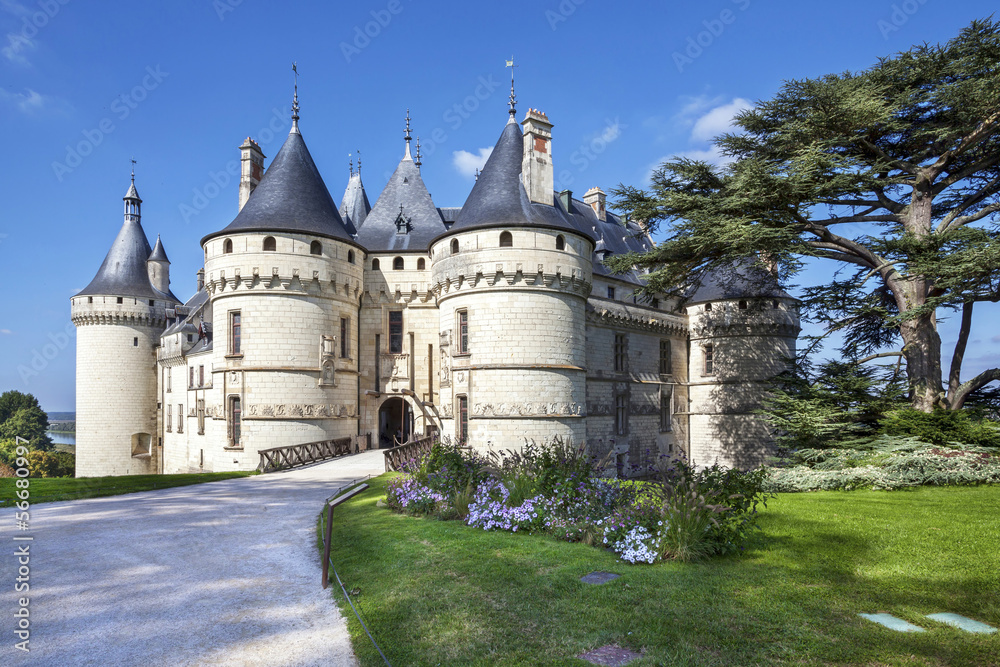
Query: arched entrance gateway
pixel 395 422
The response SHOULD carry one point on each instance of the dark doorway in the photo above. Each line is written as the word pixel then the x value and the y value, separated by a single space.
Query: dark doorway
pixel 395 422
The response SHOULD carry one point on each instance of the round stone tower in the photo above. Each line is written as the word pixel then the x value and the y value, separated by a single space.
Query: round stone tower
pixel 285 281
pixel 743 328
pixel 119 317
pixel 511 277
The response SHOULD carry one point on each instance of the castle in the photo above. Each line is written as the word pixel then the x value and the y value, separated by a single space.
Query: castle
pixel 487 323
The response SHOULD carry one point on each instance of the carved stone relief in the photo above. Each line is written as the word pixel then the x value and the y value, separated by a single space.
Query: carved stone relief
pixel 294 410
pixel 528 410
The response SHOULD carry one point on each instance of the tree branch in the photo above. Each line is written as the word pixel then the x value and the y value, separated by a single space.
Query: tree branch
pixel 982 132
pixel 880 355
pixel 978 215
pixel 956 401
pixel 902 165
pixel 971 200
pixel 955 374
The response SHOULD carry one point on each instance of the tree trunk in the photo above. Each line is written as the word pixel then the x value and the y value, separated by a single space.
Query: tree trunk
pixel 922 350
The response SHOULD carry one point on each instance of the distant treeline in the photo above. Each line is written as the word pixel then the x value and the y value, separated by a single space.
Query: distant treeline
pixel 61 416
pixel 62 427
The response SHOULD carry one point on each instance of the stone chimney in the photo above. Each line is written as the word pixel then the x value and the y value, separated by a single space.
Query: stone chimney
pixel 251 169
pixel 595 198
pixel 536 168
pixel 201 279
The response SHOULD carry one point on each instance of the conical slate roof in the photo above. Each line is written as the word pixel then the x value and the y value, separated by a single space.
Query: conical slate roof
pixel 355 207
pixel 158 254
pixel 291 197
pixel 744 279
pixel 499 199
pixel 388 227
pixel 124 272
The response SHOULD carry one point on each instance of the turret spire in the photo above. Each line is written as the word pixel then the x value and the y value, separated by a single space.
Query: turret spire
pixel 513 98
pixel 295 100
pixel 407 136
pixel 132 201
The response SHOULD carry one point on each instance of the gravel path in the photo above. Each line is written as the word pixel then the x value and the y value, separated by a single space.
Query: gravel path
pixel 224 573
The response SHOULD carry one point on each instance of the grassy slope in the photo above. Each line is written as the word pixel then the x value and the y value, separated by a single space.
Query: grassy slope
pixel 50 489
pixel 441 593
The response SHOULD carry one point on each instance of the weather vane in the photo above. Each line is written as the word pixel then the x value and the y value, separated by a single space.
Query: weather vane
pixel 133 168
pixel 513 98
pixel 295 100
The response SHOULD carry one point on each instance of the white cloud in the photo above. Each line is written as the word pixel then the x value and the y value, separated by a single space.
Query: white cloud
pixel 17 44
pixel 718 120
pixel 5 331
pixel 466 163
pixel 32 102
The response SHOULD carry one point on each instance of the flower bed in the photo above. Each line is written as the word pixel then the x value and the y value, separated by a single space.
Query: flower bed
pixel 684 515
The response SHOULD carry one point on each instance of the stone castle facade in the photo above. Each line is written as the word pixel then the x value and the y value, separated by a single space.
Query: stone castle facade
pixel 489 323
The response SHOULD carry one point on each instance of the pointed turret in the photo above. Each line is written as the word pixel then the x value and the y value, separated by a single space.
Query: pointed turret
pixel 291 197
pixel 354 208
pixel 499 199
pixel 404 217
pixel 124 271
pixel 158 267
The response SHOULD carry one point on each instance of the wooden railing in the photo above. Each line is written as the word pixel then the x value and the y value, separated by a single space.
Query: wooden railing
pixel 279 458
pixel 396 457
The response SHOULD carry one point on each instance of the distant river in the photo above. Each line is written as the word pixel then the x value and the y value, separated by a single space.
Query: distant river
pixel 63 438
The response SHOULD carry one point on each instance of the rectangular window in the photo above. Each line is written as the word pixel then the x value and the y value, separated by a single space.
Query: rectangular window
pixel 621 414
pixel 201 376
pixel 463 419
pixel 180 417
pixel 201 416
pixel 463 332
pixel 611 292
pixel 665 425
pixel 395 331
pixel 169 419
pixel 191 377
pixel 621 357
pixel 378 366
pixel 666 363
pixel 235 415
pixel 235 332
pixel 709 359
pixel 345 327
pixel 169 380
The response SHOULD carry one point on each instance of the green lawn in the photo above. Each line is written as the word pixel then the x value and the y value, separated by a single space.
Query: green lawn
pixel 50 489
pixel 441 593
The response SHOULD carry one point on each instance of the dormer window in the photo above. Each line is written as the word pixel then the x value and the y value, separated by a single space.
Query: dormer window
pixel 270 245
pixel 402 222
pixel 506 240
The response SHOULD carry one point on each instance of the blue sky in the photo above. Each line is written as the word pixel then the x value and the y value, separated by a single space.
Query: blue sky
pixel 179 85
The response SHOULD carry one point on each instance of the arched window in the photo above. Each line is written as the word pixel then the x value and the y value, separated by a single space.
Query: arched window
pixel 350 257
pixel 397 264
pixel 560 242
pixel 315 248
pixel 506 240
pixel 227 246
pixel 375 265
pixel 270 245
pixel 454 246
pixel 743 305
pixel 420 264
pixel 708 306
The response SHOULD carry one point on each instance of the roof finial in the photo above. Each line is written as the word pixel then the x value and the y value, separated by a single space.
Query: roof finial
pixel 359 163
pixel 295 100
pixel 133 169
pixel 351 162
pixel 407 136
pixel 513 98
pixel 477 173
pixel 417 161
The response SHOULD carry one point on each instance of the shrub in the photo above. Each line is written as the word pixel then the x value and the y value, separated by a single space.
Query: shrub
pixel 407 494
pixel 688 516
pixel 941 426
